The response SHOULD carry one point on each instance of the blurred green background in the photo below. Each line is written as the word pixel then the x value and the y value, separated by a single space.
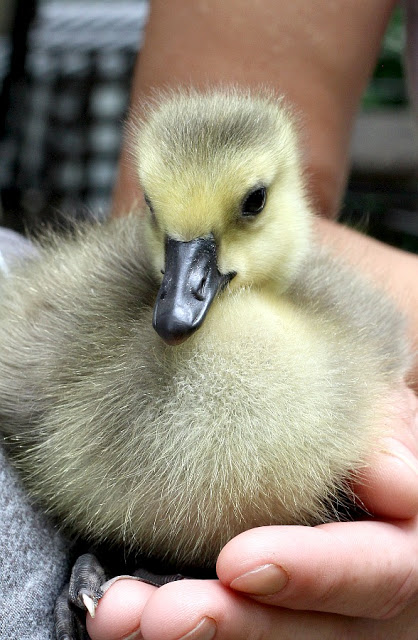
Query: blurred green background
pixel 382 194
pixel 387 87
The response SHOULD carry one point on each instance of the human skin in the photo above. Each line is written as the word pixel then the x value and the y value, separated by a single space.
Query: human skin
pixel 346 580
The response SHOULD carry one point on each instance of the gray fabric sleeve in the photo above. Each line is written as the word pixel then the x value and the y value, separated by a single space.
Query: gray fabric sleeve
pixel 33 555
pixel 33 563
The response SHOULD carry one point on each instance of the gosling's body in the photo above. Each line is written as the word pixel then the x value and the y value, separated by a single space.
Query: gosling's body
pixel 259 418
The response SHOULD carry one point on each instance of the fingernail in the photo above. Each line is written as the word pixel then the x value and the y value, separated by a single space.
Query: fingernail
pixel 263 581
pixel 205 630
pixel 397 449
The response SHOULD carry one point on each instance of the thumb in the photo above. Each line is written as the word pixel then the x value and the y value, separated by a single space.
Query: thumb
pixel 362 569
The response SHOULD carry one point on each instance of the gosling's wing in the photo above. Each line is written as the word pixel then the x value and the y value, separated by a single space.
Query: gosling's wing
pixel 82 290
pixel 356 309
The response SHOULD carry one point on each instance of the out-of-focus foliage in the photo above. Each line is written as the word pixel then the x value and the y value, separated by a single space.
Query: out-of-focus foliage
pixel 387 87
pixel 386 207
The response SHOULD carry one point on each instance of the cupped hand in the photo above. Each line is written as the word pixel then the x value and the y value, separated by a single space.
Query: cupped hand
pixel 354 580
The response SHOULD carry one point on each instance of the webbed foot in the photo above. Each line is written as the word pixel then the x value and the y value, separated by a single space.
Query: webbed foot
pixel 87 585
pixel 156 579
pixel 80 595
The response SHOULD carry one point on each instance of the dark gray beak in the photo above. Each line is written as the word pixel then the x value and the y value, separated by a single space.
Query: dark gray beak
pixel 191 281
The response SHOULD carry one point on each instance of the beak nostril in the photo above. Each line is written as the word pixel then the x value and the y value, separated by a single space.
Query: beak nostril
pixel 163 295
pixel 199 293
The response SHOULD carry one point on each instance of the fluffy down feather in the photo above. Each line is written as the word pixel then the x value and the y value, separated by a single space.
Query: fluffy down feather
pixel 260 417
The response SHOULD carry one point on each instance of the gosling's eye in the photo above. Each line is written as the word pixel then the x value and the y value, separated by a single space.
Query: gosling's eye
pixel 149 205
pixel 254 202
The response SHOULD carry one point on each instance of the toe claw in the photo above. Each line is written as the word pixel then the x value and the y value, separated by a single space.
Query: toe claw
pixel 89 604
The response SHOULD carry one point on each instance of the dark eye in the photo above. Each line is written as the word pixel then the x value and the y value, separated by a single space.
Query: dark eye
pixel 149 205
pixel 254 202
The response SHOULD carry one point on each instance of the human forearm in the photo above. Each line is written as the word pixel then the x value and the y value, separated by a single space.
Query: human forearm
pixel 319 55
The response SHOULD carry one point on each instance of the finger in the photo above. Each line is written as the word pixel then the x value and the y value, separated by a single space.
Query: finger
pixel 204 609
pixel 186 609
pixel 388 487
pixel 119 612
pixel 353 568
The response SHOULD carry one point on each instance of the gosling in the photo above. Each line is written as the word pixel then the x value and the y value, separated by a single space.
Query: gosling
pixel 202 367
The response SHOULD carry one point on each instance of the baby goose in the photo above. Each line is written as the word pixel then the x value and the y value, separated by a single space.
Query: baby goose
pixel 259 393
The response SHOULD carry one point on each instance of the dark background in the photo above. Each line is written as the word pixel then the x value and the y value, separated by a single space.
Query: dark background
pixel 65 72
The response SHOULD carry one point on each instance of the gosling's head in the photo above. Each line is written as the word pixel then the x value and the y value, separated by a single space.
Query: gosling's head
pixel 225 200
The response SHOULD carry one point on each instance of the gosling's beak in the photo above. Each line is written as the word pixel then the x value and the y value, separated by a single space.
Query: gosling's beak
pixel 191 281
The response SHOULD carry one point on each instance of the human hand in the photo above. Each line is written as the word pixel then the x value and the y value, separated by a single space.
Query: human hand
pixel 352 580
